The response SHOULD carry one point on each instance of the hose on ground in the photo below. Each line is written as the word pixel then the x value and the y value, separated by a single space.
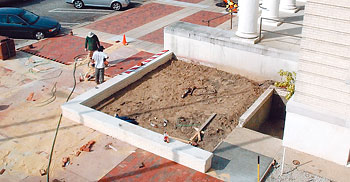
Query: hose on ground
pixel 59 120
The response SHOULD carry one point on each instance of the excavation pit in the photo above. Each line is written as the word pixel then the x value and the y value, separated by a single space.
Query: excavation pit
pixel 158 101
pixel 153 92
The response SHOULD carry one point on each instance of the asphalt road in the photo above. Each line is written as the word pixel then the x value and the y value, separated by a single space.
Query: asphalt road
pixel 65 13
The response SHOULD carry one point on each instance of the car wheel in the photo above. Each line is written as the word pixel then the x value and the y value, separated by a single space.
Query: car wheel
pixel 116 6
pixel 78 4
pixel 39 35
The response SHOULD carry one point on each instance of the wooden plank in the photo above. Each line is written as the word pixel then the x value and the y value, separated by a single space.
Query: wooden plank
pixel 202 127
pixel 179 139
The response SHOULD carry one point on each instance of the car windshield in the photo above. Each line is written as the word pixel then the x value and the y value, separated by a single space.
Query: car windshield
pixel 29 16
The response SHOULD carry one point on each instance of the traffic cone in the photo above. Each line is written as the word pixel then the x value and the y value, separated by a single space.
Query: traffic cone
pixel 124 40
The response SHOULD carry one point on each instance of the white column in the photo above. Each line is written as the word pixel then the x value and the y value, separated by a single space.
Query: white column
pixel 289 6
pixel 248 19
pixel 271 11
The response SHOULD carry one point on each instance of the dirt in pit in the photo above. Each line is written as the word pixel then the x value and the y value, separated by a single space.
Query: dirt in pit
pixel 158 96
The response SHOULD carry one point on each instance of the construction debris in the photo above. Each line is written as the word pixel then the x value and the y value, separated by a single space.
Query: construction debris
pixel 193 90
pixel 110 146
pixel 30 96
pixel 87 147
pixel 296 162
pixel 154 125
pixel 185 141
pixel 165 122
pixel 42 172
pixel 2 171
pixel 189 90
pixel 77 153
pixel 166 137
pixel 198 133
pixel 65 161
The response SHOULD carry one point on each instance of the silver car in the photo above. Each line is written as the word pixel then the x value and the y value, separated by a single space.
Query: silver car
pixel 114 4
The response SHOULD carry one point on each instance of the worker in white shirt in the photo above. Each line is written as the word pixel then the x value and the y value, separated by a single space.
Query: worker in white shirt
pixel 99 58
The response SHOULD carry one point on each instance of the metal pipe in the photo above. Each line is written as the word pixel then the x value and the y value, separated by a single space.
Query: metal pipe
pixel 208 21
pixel 282 21
pixel 260 29
pixel 231 20
pixel 283 34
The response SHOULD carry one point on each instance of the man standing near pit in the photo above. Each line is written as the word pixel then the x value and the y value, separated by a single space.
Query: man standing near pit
pixel 99 58
pixel 91 44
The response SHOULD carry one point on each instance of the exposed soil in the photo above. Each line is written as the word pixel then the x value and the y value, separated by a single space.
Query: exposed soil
pixel 158 96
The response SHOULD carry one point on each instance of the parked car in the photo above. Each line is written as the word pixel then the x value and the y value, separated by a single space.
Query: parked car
pixel 17 22
pixel 114 4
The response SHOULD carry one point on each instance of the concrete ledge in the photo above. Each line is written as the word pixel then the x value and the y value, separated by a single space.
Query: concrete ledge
pixel 79 110
pixel 316 133
pixel 258 112
pixel 224 50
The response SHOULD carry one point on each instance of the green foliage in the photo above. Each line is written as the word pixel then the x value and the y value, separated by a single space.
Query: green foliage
pixel 287 82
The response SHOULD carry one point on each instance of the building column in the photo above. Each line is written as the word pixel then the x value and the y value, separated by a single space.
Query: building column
pixel 248 19
pixel 271 11
pixel 289 6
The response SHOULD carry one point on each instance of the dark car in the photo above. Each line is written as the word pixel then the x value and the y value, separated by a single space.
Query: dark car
pixel 17 22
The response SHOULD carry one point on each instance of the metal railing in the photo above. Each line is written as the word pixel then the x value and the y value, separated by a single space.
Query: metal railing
pixel 260 29
pixel 208 21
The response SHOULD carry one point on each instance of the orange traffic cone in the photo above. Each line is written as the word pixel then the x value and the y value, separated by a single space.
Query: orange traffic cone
pixel 124 40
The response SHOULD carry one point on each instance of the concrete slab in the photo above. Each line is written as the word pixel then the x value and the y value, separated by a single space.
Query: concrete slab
pixel 233 163
pixel 314 165
pixel 255 141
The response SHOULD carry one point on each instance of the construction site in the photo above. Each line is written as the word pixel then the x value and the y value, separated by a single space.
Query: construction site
pixel 194 90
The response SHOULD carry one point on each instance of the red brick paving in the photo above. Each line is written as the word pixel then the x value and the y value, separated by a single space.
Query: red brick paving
pixel 155 36
pixel 127 63
pixel 158 35
pixel 155 169
pixel 62 49
pixel 133 18
pixel 206 15
pixel 190 1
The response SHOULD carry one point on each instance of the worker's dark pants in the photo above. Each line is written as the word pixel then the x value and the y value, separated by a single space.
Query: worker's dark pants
pixel 99 75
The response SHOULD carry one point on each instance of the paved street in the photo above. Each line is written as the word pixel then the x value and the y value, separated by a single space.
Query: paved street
pixel 65 13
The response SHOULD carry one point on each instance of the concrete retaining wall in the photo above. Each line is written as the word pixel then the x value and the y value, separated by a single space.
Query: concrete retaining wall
pixel 79 110
pixel 258 112
pixel 223 50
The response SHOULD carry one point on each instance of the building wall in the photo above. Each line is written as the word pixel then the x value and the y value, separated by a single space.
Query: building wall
pixel 323 79
pixel 318 115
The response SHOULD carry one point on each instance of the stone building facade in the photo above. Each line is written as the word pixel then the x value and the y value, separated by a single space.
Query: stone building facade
pixel 318 115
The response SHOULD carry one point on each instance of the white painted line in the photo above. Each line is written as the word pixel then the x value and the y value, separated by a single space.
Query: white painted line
pixel 62 10
pixel 71 9
pixel 69 23
pixel 87 12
